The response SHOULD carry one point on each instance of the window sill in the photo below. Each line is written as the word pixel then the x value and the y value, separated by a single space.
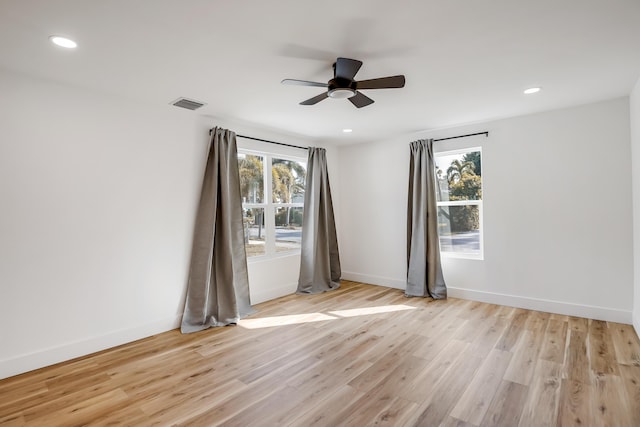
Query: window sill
pixel 279 255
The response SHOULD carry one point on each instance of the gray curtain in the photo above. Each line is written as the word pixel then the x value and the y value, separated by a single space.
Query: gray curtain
pixel 424 271
pixel 319 260
pixel 218 290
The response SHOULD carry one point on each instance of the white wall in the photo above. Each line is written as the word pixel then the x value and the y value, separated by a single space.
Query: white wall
pixel 98 197
pixel 557 212
pixel 635 158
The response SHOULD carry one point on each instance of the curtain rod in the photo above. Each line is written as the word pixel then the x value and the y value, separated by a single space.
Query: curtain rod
pixel 463 136
pixel 303 148
pixel 266 140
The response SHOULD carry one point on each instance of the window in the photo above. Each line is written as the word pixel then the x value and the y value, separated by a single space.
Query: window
pixel 459 200
pixel 272 219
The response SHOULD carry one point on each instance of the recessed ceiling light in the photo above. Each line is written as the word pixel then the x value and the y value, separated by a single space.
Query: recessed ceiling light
pixel 532 90
pixel 347 130
pixel 63 42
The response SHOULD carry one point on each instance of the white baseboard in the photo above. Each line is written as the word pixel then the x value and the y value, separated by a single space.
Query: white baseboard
pixel 50 356
pixel 263 295
pixel 549 306
pixel 636 324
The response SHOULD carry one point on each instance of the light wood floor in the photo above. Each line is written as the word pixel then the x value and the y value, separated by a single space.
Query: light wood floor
pixel 360 356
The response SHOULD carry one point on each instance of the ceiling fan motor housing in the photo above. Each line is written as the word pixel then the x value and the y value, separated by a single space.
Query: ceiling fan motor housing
pixel 341 88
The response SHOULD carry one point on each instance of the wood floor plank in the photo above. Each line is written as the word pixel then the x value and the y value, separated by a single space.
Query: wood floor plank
pixel 448 390
pixel 380 369
pixel 287 360
pixel 214 412
pixel 438 340
pixel 360 355
pixel 454 422
pixel 610 403
pixel 260 414
pixel 397 413
pixel 626 343
pixel 537 321
pixel 473 310
pixel 324 412
pixel 432 322
pixel 82 412
pixel 541 408
pixel 575 403
pixel 175 401
pixel 468 330
pixel 344 367
pixel 631 378
pixel 381 293
pixel 39 377
pixel 22 395
pixel 341 371
pixel 525 356
pixel 577 357
pixel 12 420
pixel 474 403
pixel 369 407
pixel 421 388
pixel 578 324
pixel 506 406
pixel 60 401
pixel 126 415
pixel 488 334
pixel 554 342
pixel 514 331
pixel 602 354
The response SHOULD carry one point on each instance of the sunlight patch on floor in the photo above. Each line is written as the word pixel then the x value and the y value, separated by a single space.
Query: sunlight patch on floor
pixel 294 319
pixel 371 310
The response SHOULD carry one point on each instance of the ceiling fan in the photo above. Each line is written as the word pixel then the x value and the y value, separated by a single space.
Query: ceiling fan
pixel 343 85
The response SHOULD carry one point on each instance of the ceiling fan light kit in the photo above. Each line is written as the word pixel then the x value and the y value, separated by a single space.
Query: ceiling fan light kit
pixel 340 93
pixel 343 85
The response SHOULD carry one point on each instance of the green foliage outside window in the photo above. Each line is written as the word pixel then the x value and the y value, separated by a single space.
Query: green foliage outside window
pixel 462 181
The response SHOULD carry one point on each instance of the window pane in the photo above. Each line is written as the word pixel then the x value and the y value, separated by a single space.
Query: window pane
pixel 459 176
pixel 288 228
pixel 288 180
pixel 251 178
pixel 254 231
pixel 459 229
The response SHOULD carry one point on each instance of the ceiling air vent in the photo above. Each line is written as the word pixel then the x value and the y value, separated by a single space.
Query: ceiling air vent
pixel 189 104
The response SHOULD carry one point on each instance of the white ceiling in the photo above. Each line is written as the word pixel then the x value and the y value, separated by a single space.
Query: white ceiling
pixel 464 60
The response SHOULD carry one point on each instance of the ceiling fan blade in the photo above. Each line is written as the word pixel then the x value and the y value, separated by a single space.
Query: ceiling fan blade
pixel 360 100
pixel 347 68
pixel 302 83
pixel 392 82
pixel 315 99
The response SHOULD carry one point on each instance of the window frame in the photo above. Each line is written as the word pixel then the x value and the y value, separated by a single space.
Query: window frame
pixel 268 205
pixel 479 203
